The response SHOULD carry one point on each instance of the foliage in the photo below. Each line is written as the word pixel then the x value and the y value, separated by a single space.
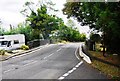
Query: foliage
pixel 95 37
pixel 29 33
pixel 24 47
pixel 24 28
pixel 9 51
pixel 1 31
pixel 2 52
pixel 70 34
pixel 104 17
pixel 51 26
pixel 70 23
pixel 39 19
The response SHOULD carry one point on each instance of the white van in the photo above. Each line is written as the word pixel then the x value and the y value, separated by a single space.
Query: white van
pixel 10 42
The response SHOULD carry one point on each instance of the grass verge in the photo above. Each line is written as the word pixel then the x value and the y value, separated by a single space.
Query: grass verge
pixel 111 71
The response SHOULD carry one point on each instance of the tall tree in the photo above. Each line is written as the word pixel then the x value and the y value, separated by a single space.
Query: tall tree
pixel 40 19
pixel 99 16
pixel 71 23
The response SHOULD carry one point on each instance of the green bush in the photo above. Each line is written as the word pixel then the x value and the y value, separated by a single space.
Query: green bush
pixel 24 47
pixel 2 52
pixel 9 51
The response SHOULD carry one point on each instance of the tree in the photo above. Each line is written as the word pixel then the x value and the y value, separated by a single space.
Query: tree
pixel 70 23
pixel 0 21
pixel 70 34
pixel 95 37
pixel 24 28
pixel 1 29
pixel 40 20
pixel 103 17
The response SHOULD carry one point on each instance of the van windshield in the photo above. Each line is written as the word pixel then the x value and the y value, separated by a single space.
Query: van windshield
pixel 3 43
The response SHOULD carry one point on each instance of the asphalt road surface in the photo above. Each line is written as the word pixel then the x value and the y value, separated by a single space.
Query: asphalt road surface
pixel 55 61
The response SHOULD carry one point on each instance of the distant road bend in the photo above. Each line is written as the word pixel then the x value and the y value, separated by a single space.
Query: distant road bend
pixel 56 61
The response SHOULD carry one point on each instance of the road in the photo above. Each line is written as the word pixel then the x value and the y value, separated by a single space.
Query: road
pixel 56 61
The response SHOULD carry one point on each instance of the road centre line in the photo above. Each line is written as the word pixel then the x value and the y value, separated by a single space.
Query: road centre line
pixel 35 51
pixel 70 71
pixel 58 49
pixel 8 70
pixel 48 56
pixel 51 54
pixel 30 63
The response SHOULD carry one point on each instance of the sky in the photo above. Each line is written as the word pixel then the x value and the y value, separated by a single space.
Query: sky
pixel 10 13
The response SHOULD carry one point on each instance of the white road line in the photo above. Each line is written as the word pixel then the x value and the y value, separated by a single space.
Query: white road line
pixel 77 66
pixel 30 63
pixel 8 70
pixel 66 74
pixel 58 49
pixel 70 71
pixel 80 63
pixel 74 68
pixel 76 53
pixel 48 56
pixel 61 78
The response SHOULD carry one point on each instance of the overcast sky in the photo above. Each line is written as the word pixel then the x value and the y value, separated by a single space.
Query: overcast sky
pixel 10 12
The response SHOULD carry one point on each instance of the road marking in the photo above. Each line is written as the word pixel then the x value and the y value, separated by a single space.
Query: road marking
pixel 37 49
pixel 48 56
pixel 30 63
pixel 76 53
pixel 61 78
pixel 70 71
pixel 66 74
pixel 8 70
pixel 58 49
pixel 51 54
pixel 74 68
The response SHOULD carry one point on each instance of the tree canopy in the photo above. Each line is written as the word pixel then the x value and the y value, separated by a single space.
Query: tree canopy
pixel 40 19
pixel 104 16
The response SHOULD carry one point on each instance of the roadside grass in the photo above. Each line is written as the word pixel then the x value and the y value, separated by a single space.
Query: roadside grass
pixel 109 58
pixel 111 71
pixel 6 54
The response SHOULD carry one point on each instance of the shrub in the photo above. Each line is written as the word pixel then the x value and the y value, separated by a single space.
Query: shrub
pixel 63 41
pixel 24 47
pixel 9 51
pixel 2 52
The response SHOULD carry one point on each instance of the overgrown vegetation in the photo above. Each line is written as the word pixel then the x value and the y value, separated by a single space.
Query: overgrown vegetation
pixel 24 47
pixel 2 52
pixel 111 71
pixel 103 17
pixel 41 25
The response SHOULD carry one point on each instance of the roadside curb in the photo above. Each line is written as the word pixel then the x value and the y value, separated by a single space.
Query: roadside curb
pixel 84 56
pixel 17 54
